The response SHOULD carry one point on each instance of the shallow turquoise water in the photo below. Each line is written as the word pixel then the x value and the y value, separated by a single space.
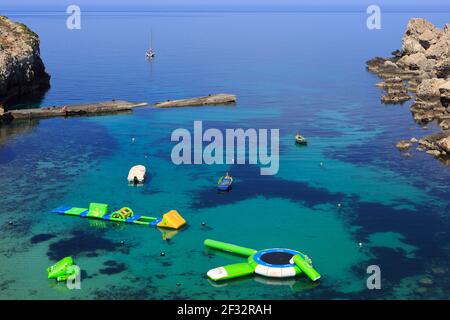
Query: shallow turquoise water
pixel 292 71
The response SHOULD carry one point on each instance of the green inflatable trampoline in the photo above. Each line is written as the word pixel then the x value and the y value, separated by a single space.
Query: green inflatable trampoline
pixel 272 263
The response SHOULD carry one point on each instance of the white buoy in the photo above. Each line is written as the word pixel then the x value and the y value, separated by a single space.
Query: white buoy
pixel 360 244
pixel 133 139
pixel 339 205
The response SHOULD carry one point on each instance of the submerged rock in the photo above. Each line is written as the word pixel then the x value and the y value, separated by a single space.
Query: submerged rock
pixel 22 71
pixel 403 145
pixel 438 270
pixel 426 281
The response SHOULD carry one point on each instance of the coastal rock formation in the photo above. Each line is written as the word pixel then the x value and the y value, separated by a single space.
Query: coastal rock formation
pixel 403 145
pixel 420 71
pixel 22 71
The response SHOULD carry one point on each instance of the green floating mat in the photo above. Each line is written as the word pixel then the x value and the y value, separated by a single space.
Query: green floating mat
pixel 75 211
pixel 97 210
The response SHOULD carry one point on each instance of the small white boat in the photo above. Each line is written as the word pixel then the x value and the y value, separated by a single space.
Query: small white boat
pixel 300 139
pixel 150 54
pixel 136 175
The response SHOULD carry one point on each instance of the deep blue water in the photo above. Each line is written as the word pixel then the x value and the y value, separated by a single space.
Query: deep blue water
pixel 291 71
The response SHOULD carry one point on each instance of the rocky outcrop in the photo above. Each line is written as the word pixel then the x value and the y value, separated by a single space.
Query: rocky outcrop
pixel 22 71
pixel 437 144
pixel 403 145
pixel 420 71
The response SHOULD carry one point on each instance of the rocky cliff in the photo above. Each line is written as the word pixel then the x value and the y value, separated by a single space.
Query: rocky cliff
pixel 22 71
pixel 420 71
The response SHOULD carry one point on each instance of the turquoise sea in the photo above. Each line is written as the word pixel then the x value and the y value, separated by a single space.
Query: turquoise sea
pixel 293 71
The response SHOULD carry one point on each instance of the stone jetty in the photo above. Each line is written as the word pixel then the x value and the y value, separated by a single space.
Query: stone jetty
pixel 112 106
pixel 213 99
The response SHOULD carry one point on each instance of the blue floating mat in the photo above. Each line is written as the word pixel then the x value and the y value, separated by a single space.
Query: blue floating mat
pixel 155 223
pixel 62 209
pixel 132 219
pixel 107 217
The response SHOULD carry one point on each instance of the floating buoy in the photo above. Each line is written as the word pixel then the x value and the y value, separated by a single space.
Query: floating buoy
pixel 122 243
pixel 339 205
pixel 162 254
pixel 203 224
pixel 10 222
pixel 360 244
pixel 133 139
pixel 321 164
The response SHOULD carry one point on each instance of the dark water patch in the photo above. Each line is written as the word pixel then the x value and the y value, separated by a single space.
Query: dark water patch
pixel 166 264
pixel 250 184
pixel 4 285
pixel 161 276
pixel 394 266
pixel 419 228
pixel 6 154
pixel 113 267
pixel 422 228
pixel 92 254
pixel 33 292
pixel 42 238
pixel 115 292
pixel 85 275
pixel 424 172
pixel 151 191
pixel 15 227
pixel 79 244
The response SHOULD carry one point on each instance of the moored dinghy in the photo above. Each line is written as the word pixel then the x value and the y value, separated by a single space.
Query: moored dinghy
pixel 137 175
pixel 300 139
pixel 225 182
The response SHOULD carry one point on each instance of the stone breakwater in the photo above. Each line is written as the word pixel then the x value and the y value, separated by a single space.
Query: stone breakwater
pixel 212 99
pixel 420 71
pixel 22 71
pixel 105 107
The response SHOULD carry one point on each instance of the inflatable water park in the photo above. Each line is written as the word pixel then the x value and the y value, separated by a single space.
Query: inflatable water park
pixel 271 263
pixel 170 220
pixel 275 263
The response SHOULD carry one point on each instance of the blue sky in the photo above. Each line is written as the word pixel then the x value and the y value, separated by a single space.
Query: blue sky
pixel 105 4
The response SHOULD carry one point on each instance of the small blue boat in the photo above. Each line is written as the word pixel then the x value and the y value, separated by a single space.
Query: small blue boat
pixel 225 182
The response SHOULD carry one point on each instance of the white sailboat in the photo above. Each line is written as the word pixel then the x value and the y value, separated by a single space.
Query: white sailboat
pixel 150 54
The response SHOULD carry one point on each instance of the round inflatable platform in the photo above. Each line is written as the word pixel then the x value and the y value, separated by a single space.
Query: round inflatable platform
pixel 276 263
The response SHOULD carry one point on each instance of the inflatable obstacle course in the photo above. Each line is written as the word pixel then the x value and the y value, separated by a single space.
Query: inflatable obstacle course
pixel 62 270
pixel 272 263
pixel 171 219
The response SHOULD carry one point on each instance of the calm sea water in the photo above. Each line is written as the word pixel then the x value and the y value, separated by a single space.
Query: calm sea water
pixel 293 71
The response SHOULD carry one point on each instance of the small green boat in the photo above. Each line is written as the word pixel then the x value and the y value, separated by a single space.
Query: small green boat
pixel 300 139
